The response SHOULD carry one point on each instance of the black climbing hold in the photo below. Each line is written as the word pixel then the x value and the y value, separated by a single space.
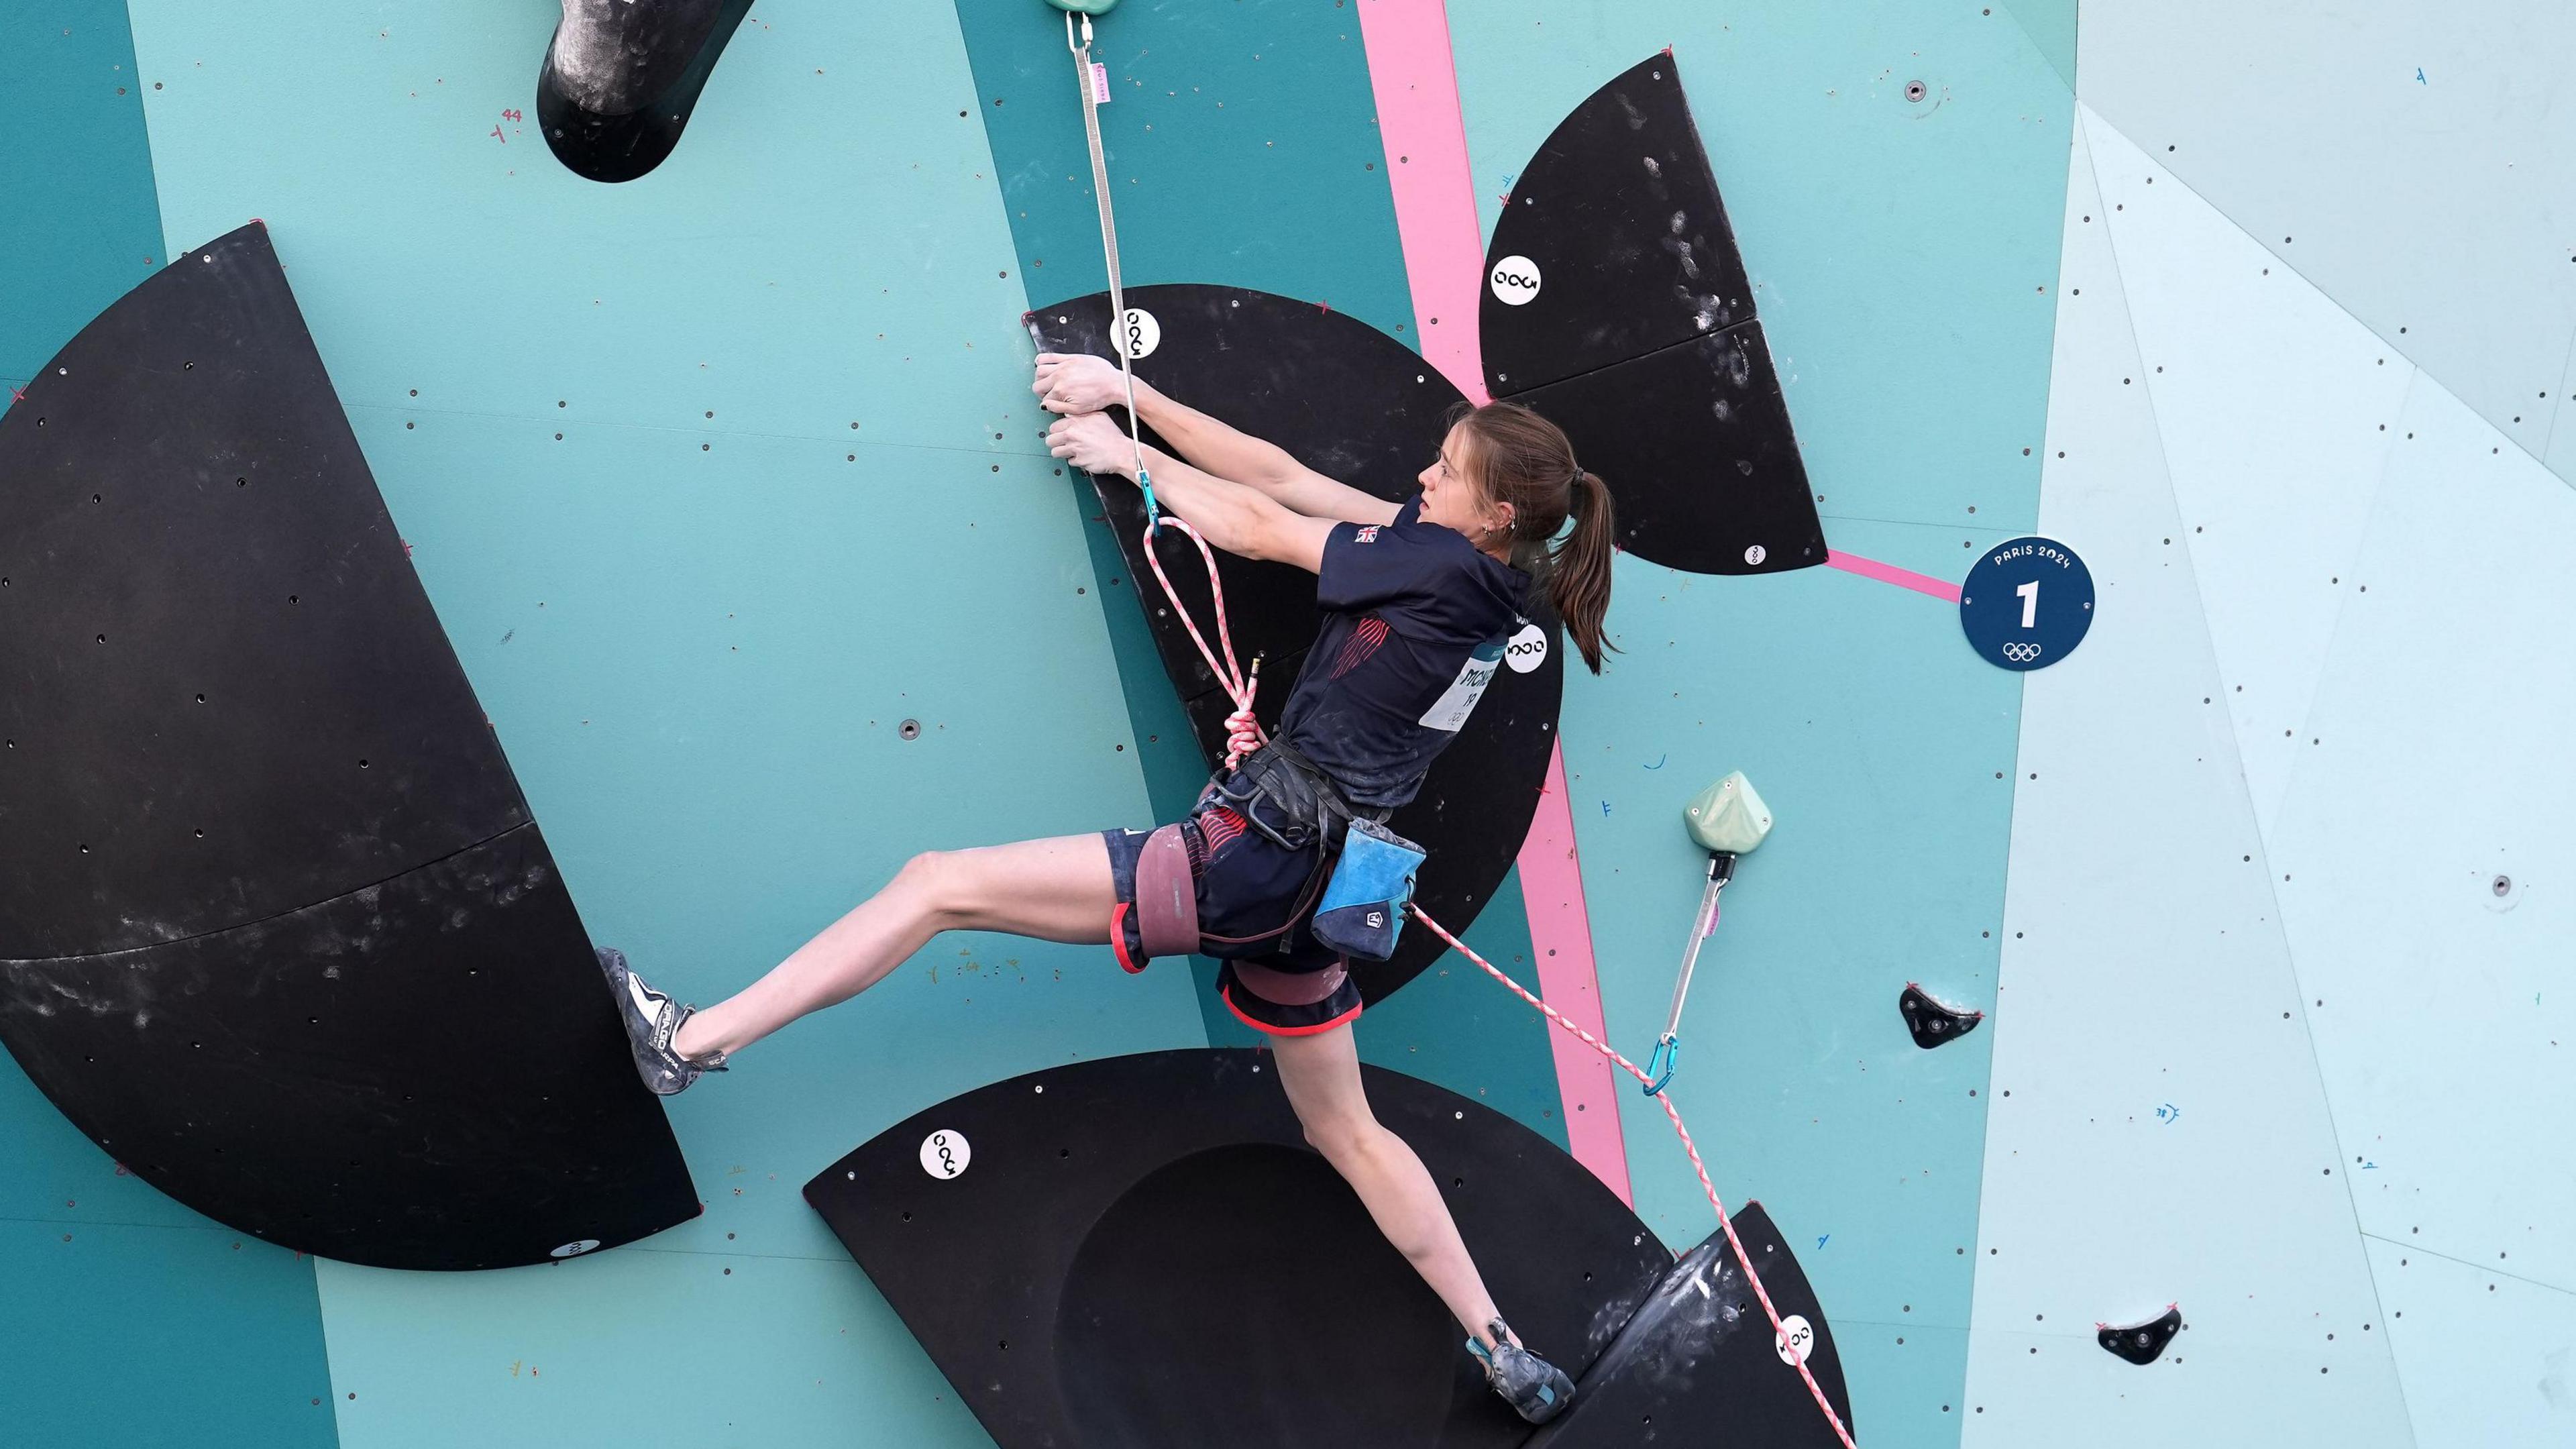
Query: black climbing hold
pixel 622 77
pixel 1700 1363
pixel 2142 1343
pixel 243 936
pixel 1695 446
pixel 1200 1276
pixel 1932 1020
pixel 1615 303
pixel 1620 214
pixel 1354 404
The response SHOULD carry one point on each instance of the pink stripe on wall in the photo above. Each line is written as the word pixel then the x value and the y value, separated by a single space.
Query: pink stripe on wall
pixel 1416 87
pixel 1426 167
pixel 1561 937
pixel 1885 573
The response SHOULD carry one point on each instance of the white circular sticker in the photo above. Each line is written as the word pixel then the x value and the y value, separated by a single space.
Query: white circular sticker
pixel 1528 649
pixel 1142 333
pixel 945 1154
pixel 1796 1337
pixel 1514 280
pixel 574 1250
pixel 1756 554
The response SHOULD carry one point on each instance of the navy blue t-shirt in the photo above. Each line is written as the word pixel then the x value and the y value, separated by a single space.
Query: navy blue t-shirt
pixel 1415 622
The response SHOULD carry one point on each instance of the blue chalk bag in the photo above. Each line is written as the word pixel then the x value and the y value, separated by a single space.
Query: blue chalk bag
pixel 1363 905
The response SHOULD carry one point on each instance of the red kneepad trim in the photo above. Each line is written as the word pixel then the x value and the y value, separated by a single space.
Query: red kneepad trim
pixel 1273 1029
pixel 1118 941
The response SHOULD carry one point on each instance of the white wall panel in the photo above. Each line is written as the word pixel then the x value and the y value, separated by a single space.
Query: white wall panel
pixel 2159 1131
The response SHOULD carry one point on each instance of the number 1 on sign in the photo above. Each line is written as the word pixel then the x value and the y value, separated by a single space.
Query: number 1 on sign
pixel 2029 596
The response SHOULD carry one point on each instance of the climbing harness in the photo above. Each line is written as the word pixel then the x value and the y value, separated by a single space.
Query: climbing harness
pixel 1243 732
pixel 1167 902
pixel 1279 763
pixel 1727 819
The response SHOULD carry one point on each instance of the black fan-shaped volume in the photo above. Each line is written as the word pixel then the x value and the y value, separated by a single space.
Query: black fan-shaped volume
pixel 224 693
pixel 1933 1021
pixel 2142 1343
pixel 622 76
pixel 1143 1251
pixel 1620 213
pixel 1353 404
pixel 1699 1363
pixel 1616 303
pixel 1694 442
pixel 419 1074
pixel 264 872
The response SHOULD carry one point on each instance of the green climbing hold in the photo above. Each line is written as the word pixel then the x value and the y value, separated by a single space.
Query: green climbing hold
pixel 1728 817
pixel 1085 7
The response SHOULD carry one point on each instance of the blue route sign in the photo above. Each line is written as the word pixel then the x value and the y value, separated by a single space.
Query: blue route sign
pixel 2027 603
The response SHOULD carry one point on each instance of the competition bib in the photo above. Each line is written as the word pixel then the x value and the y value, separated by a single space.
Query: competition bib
pixel 1449 712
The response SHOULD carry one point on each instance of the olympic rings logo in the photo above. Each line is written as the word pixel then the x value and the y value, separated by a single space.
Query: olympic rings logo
pixel 2021 653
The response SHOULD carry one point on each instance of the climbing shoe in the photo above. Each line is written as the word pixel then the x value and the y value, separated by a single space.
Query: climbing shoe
pixel 1536 1389
pixel 652 1021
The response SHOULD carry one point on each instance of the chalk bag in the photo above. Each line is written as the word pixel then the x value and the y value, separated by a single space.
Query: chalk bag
pixel 1363 905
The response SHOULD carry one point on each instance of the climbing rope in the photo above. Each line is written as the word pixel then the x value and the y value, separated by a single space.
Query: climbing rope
pixel 1725 1223
pixel 1088 79
pixel 1243 732
pixel 1243 729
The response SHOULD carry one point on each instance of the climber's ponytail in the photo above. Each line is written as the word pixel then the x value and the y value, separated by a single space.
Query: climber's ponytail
pixel 1517 457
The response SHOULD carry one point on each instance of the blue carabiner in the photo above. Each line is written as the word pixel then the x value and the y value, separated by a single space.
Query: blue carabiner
pixel 1667 1055
pixel 1153 510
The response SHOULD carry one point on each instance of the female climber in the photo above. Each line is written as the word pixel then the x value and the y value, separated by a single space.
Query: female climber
pixel 1419 600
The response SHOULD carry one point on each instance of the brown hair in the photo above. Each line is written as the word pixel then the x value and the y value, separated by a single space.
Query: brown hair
pixel 1517 457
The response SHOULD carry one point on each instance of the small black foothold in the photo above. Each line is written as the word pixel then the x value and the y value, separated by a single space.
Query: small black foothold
pixel 2142 1343
pixel 1933 1021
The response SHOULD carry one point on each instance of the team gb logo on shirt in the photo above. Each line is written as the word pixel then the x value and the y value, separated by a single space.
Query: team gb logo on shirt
pixel 1368 533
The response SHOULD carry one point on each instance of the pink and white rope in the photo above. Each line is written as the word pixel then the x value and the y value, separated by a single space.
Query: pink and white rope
pixel 1632 1069
pixel 1242 729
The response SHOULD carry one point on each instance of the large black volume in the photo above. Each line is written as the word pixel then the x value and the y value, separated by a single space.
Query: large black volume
pixel 1353 404
pixel 1143 1251
pixel 1699 1363
pixel 275 927
pixel 622 78
pixel 1617 304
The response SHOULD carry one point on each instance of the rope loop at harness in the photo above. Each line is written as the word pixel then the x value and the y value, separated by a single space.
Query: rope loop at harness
pixel 1243 732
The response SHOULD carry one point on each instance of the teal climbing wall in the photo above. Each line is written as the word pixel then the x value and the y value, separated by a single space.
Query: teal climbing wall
pixel 719 477
pixel 711 478
pixel 1853 706
pixel 131 1320
pixel 1904 258
pixel 81 226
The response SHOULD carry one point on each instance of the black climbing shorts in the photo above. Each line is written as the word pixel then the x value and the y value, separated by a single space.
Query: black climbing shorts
pixel 1256 904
